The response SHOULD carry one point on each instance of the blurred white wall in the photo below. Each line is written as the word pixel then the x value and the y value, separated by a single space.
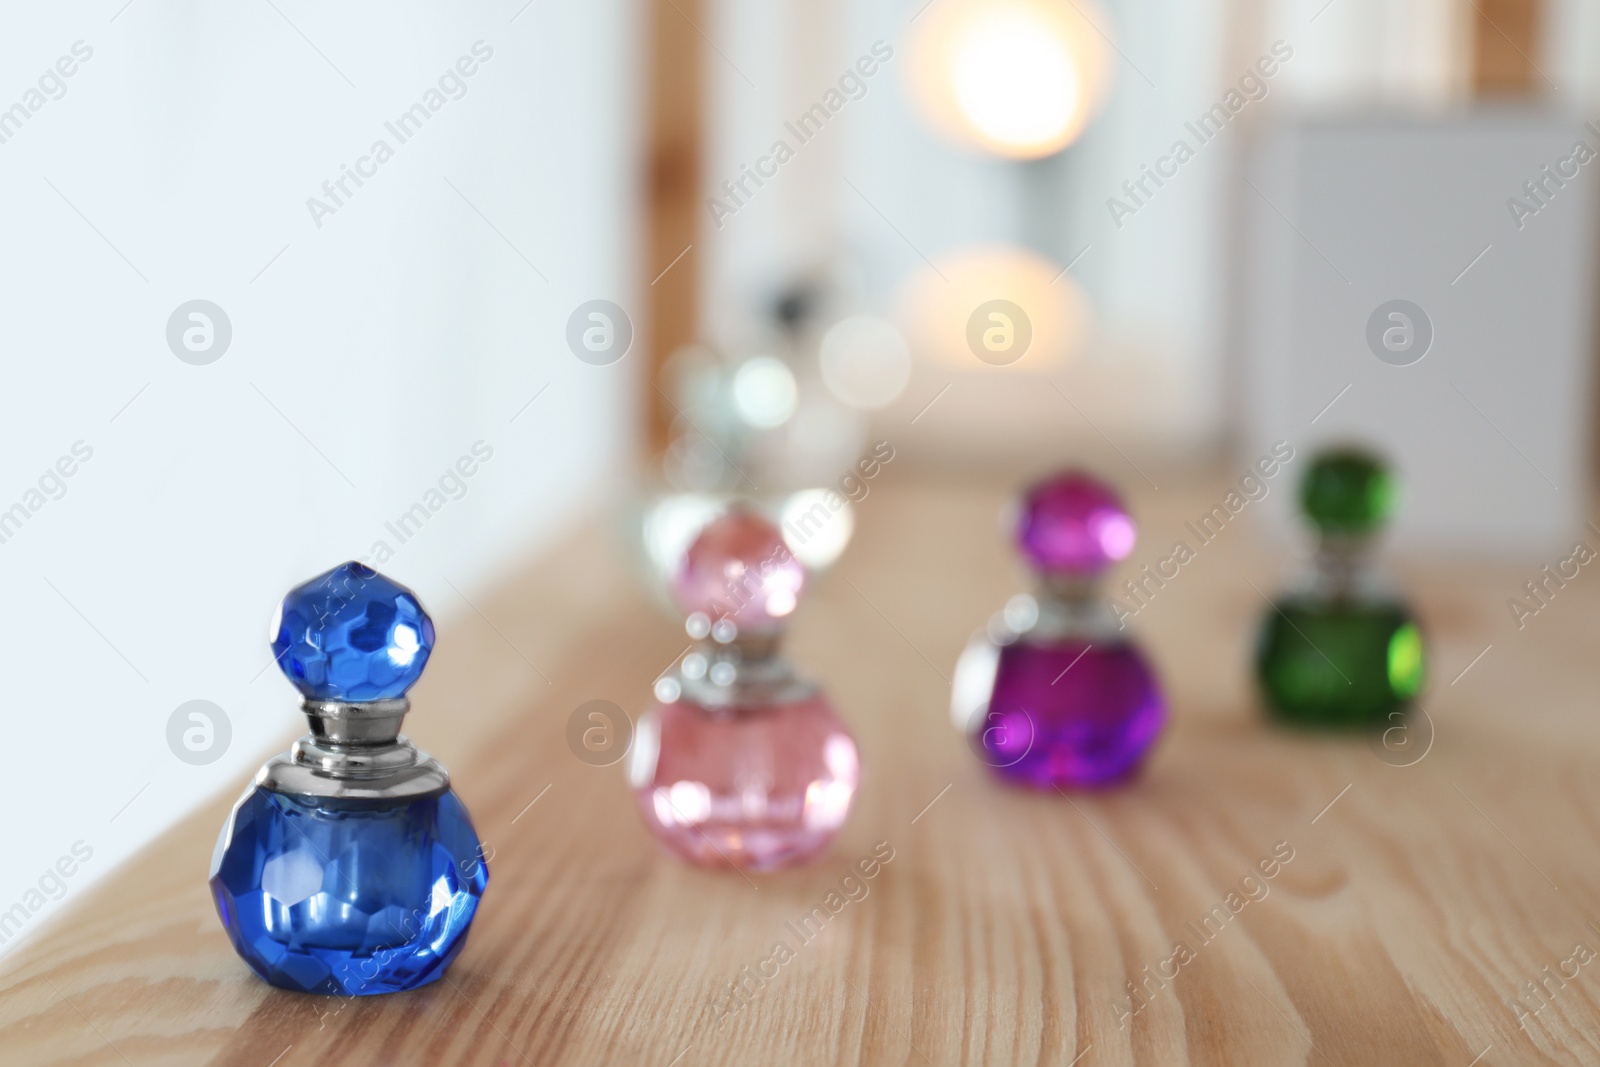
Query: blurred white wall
pixel 369 354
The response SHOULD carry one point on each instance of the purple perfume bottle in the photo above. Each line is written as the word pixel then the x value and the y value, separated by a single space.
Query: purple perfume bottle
pixel 743 762
pixel 1054 694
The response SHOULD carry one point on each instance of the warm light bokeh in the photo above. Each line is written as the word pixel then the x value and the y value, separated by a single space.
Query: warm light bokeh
pixel 936 307
pixel 1018 78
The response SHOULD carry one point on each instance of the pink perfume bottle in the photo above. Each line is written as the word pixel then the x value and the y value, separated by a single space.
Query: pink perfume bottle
pixel 1055 694
pixel 742 763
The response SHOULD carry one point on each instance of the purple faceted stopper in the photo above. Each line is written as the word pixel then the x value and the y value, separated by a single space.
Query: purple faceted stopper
pixel 1073 524
pixel 740 569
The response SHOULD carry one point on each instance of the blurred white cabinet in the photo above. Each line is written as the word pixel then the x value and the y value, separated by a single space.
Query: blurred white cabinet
pixel 1490 427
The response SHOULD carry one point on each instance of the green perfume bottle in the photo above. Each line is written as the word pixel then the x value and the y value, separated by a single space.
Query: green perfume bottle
pixel 1340 650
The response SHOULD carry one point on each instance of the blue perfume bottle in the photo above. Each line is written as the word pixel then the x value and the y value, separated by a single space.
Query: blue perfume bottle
pixel 350 867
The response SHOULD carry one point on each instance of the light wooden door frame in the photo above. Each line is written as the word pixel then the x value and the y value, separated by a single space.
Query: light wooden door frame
pixel 1506 39
pixel 675 110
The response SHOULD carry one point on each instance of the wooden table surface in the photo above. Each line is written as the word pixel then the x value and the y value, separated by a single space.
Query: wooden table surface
pixel 1416 904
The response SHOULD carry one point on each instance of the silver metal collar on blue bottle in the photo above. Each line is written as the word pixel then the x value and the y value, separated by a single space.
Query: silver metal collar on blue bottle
pixel 355 751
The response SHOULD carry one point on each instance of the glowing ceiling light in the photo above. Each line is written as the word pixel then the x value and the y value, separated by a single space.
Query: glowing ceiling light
pixel 1018 78
pixel 1015 82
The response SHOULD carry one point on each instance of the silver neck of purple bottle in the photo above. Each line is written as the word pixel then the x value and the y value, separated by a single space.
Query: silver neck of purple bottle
pixel 1063 608
pixel 355 751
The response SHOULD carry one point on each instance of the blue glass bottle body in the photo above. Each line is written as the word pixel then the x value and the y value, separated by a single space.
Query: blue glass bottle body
pixel 348 896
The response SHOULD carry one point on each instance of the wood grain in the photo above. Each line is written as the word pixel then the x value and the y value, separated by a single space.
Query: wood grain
pixel 1418 902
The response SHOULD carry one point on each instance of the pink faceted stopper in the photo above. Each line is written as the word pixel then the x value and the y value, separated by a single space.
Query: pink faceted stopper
pixel 1073 524
pixel 740 569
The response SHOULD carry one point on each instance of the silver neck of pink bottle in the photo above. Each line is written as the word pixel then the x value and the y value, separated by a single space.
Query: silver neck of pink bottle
pixel 730 669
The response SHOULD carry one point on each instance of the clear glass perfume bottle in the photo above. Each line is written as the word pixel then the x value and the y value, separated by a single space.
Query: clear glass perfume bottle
pixel 743 763
pixel 349 866
pixel 1341 649
pixel 1054 694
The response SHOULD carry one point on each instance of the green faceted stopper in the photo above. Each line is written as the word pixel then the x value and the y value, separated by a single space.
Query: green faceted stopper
pixel 1348 491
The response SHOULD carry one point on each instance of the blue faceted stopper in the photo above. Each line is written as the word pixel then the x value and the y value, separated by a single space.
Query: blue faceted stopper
pixel 353 635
